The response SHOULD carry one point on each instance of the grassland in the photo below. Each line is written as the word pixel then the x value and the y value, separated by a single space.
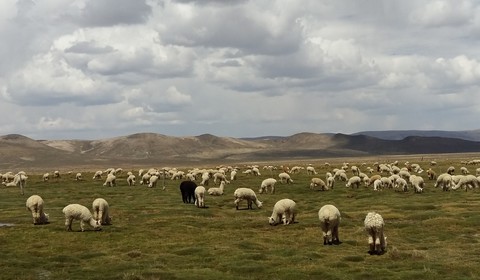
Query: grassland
pixel 155 236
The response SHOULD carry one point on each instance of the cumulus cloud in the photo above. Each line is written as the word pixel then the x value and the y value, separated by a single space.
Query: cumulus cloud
pixel 181 67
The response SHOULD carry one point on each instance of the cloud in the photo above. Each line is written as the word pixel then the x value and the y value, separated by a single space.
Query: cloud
pixel 114 12
pixel 237 68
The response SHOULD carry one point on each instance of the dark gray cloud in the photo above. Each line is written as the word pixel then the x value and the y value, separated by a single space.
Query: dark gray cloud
pixel 113 12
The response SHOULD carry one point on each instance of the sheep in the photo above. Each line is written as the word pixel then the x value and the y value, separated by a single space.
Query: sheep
pixel 101 211
pixel 200 196
pixel 35 205
pixel 79 212
pixel 248 195
pixel 110 181
pixel 329 217
pixel 269 182
pixel 217 191
pixel 285 178
pixel 187 188
pixel 131 180
pixel 374 226
pixel 317 182
pixel 417 183
pixel 354 181
pixel 98 175
pixel 285 211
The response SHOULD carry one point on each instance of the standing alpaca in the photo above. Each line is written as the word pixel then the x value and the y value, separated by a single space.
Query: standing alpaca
pixel 374 227
pixel 187 188
pixel 329 217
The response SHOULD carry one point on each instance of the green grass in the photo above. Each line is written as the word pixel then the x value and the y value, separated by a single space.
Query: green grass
pixel 155 236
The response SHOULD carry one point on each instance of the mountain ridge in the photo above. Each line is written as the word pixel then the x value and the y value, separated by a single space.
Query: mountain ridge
pixel 154 148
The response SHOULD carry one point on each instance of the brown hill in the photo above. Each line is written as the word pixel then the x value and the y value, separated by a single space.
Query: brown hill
pixel 17 151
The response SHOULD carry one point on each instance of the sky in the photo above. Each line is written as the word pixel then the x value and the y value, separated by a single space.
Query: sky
pixel 96 69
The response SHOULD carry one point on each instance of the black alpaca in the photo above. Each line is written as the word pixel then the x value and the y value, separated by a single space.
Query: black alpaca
pixel 188 191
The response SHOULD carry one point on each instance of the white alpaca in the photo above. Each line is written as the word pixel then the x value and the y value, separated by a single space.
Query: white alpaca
pixel 467 181
pixel 205 178
pixel 35 205
pixel 98 175
pixel 417 183
pixel 311 170
pixel 218 177
pixel 330 182
pixel 269 182
pixel 353 182
pixel 78 176
pixel 445 181
pixel 329 217
pixel 284 211
pixel 145 179
pixel 19 180
pixel 200 196
pixel 464 170
pixel 153 181
pixel 110 181
pixel 233 175
pixel 101 211
pixel 285 178
pixel 248 195
pixel 341 174
pixel 317 182
pixel 79 212
pixel 131 180
pixel 377 185
pixel 451 170
pixel 374 226
pixel 401 184
pixel 217 191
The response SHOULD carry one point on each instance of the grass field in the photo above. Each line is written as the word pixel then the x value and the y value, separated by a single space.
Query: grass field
pixel 154 235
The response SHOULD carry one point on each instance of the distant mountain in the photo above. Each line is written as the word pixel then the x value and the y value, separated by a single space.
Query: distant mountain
pixel 152 149
pixel 470 135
